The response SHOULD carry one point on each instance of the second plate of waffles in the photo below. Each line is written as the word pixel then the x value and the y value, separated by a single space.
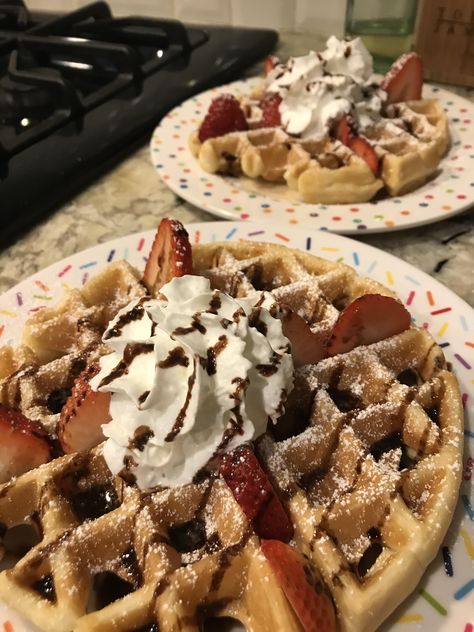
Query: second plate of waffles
pixel 319 141
pixel 93 526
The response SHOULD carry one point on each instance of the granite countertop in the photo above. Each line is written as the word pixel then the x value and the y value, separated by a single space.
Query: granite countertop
pixel 132 198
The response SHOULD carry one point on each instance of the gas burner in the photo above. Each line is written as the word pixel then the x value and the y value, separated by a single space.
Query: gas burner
pixel 14 16
pixel 22 104
pixel 80 91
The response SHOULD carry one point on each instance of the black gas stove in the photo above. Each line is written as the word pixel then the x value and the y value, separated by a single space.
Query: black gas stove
pixel 80 91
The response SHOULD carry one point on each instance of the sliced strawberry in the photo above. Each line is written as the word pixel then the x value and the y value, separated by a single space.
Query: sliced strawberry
pixel 253 491
pixel 23 444
pixel 366 320
pixel 170 255
pixel 302 587
pixel 404 80
pixel 270 106
pixel 83 414
pixel 224 115
pixel 269 64
pixel 344 131
pixel 364 150
pixel 346 134
pixel 306 346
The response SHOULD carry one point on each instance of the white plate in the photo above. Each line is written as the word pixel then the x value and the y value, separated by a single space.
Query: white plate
pixel 451 192
pixel 444 600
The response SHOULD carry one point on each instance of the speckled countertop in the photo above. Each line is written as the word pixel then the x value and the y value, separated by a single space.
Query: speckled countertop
pixel 132 198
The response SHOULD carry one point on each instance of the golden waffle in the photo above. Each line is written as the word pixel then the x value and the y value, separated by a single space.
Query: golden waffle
pixel 59 342
pixel 411 144
pixel 372 464
pixel 174 558
pixel 322 171
pixel 367 458
pixel 409 141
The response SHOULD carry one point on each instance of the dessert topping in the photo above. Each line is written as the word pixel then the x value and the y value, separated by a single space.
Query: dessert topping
pixel 368 319
pixel 191 376
pixel 302 587
pixel 224 115
pixel 82 416
pixel 255 494
pixel 170 255
pixel 23 444
pixel 318 88
pixel 404 80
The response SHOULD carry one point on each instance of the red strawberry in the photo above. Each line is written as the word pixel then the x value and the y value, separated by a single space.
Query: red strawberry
pixel 253 491
pixel 23 444
pixel 269 64
pixel 346 134
pixel 344 130
pixel 306 347
pixel 83 414
pixel 302 587
pixel 404 80
pixel 366 320
pixel 270 106
pixel 364 150
pixel 224 115
pixel 170 255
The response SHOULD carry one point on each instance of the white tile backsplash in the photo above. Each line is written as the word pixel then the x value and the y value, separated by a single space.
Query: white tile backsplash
pixel 204 12
pixel 155 8
pixel 278 14
pixel 322 17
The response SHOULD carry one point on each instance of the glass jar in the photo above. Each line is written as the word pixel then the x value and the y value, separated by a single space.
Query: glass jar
pixel 386 27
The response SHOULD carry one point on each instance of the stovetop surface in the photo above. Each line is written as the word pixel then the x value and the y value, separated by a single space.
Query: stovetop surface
pixel 81 90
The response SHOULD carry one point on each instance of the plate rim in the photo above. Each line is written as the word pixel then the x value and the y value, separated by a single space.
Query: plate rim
pixel 260 226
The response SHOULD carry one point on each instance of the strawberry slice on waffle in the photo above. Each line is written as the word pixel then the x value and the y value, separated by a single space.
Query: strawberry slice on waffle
pixel 360 146
pixel 170 255
pixel 23 444
pixel 255 494
pixel 404 80
pixel 270 106
pixel 224 115
pixel 83 414
pixel 306 347
pixel 368 319
pixel 302 587
pixel 269 63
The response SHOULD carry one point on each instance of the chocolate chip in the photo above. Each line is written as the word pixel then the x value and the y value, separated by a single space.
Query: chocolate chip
pixel 57 399
pixel 409 377
pixel 188 536
pixel 94 502
pixel 45 587
pixel 369 558
pixel 108 587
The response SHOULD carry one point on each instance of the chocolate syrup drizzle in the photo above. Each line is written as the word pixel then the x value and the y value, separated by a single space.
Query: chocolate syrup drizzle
pixel 176 357
pixel 131 351
pixel 178 424
pixel 125 319
pixel 213 352
pixel 141 436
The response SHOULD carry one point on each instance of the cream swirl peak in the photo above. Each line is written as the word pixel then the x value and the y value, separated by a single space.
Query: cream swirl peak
pixel 318 88
pixel 193 373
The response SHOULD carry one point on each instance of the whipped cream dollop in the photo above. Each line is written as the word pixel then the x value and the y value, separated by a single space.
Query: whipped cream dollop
pixel 192 373
pixel 316 89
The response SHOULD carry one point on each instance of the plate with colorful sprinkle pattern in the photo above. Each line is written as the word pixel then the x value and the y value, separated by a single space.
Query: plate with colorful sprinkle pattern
pixel 444 600
pixel 449 193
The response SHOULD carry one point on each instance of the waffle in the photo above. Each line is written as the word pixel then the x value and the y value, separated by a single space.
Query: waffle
pixel 409 140
pixel 367 459
pixel 59 342
pixel 322 171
